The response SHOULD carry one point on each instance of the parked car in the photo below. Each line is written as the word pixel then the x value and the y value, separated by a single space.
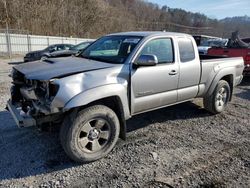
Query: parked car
pixel 205 45
pixel 199 39
pixel 71 51
pixel 235 48
pixel 204 42
pixel 118 76
pixel 36 55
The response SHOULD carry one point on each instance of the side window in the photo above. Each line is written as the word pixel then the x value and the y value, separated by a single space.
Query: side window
pixel 60 47
pixel 52 48
pixel 66 47
pixel 161 48
pixel 186 50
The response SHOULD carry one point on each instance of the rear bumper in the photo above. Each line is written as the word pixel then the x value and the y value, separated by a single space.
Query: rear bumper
pixel 22 120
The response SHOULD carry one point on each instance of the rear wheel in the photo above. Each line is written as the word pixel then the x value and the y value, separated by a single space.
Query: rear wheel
pixel 91 135
pixel 217 102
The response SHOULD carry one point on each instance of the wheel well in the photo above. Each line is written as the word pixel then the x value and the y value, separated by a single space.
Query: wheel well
pixel 114 103
pixel 229 80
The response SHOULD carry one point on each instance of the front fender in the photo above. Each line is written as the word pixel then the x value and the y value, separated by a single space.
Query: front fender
pixel 98 93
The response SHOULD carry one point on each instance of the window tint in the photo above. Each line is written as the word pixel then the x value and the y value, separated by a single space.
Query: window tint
pixel 51 48
pixel 162 48
pixel 186 50
pixel 66 47
pixel 60 47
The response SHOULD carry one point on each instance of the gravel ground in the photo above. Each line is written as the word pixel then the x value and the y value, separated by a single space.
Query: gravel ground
pixel 179 146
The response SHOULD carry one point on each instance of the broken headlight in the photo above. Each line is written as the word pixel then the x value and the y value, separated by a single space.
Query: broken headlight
pixel 53 89
pixel 46 89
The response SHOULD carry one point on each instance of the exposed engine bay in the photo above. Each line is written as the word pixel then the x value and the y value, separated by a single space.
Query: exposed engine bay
pixel 32 97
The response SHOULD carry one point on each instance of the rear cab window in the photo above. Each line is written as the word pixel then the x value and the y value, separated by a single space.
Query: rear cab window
pixel 186 50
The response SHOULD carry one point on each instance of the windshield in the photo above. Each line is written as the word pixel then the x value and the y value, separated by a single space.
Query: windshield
pixel 111 49
pixel 80 46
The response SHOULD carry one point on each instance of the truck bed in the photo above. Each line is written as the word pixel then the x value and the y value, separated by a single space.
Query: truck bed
pixel 211 65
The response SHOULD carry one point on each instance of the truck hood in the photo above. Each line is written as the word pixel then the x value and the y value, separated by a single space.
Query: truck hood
pixel 59 67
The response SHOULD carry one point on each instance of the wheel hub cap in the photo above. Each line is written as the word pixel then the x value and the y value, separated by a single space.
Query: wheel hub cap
pixel 221 98
pixel 93 134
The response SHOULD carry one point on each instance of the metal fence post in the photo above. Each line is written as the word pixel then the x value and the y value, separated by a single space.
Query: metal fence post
pixel 48 41
pixel 8 43
pixel 28 43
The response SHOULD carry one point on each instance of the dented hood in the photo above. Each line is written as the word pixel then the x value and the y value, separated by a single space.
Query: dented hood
pixel 59 67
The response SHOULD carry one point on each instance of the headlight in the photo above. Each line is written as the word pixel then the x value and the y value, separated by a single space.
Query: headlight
pixel 12 72
pixel 46 89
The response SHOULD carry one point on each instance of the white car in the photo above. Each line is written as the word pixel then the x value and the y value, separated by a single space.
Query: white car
pixel 205 45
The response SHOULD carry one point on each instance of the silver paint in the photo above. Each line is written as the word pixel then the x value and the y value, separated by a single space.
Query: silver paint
pixel 139 89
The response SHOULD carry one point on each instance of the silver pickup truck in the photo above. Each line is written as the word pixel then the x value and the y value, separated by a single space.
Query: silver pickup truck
pixel 118 76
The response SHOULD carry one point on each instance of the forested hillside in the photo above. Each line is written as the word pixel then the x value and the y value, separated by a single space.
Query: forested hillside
pixel 92 18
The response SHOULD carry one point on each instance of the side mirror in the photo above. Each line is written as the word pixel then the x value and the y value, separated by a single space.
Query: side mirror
pixel 147 60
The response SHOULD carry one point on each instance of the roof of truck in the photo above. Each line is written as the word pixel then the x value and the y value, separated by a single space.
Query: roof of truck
pixel 150 33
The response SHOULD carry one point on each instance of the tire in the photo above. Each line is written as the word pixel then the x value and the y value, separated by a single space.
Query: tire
pixel 217 102
pixel 91 135
pixel 44 57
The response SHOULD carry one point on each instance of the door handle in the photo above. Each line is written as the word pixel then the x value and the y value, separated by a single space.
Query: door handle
pixel 173 72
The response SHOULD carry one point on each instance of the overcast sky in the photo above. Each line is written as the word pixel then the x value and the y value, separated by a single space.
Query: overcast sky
pixel 213 8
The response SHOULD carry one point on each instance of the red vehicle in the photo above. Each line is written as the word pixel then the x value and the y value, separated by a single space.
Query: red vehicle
pixel 236 48
pixel 233 52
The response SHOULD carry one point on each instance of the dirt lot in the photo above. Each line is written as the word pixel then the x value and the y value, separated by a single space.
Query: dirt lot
pixel 180 146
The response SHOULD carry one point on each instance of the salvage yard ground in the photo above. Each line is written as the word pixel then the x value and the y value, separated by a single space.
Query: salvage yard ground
pixel 179 146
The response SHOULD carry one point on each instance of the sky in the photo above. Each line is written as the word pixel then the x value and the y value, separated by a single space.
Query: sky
pixel 218 9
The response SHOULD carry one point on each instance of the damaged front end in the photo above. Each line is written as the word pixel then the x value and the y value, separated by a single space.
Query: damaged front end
pixel 30 102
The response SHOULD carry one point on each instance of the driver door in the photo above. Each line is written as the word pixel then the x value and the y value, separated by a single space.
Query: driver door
pixel 155 86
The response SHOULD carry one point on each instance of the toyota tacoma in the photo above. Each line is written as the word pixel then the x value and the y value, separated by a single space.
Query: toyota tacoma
pixel 118 76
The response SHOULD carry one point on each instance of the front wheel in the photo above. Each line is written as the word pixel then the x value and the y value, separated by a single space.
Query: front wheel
pixel 44 57
pixel 217 102
pixel 91 135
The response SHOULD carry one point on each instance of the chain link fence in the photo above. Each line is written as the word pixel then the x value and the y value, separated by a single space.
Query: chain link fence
pixel 17 42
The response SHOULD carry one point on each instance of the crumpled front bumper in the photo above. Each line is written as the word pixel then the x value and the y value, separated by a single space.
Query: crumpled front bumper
pixel 21 119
